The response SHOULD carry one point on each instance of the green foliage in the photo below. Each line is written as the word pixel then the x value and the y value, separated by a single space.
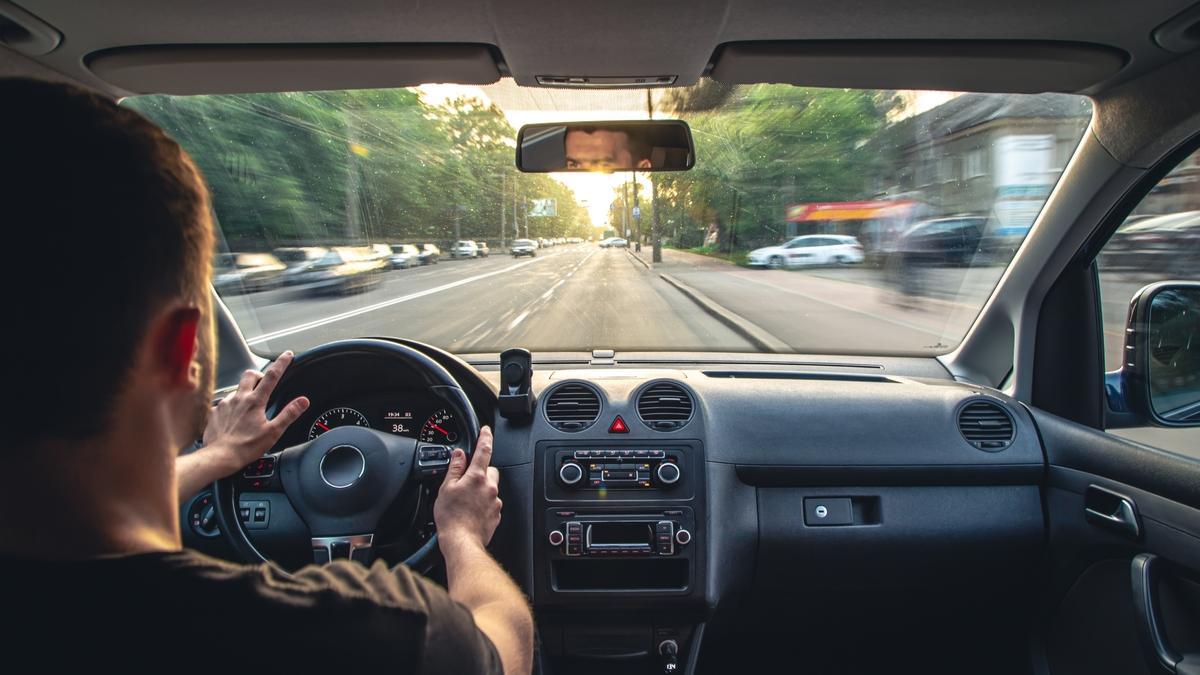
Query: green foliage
pixel 356 167
pixel 761 148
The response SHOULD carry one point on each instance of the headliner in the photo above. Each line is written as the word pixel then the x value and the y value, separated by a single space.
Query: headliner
pixel 620 37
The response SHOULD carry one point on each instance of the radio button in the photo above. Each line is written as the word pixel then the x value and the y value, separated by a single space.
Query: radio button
pixel 556 537
pixel 683 537
pixel 570 473
pixel 668 473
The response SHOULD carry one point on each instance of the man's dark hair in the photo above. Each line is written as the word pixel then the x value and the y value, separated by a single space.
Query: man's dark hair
pixel 106 220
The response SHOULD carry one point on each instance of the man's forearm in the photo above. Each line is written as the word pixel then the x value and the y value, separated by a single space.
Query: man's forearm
pixel 501 611
pixel 195 470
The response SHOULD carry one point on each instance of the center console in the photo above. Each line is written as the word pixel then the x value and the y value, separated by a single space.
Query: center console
pixel 619 554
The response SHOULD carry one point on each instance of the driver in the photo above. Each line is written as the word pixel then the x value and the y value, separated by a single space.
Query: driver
pixel 112 372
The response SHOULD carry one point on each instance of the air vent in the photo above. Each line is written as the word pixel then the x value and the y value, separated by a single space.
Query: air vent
pixel 986 425
pixel 572 407
pixel 664 406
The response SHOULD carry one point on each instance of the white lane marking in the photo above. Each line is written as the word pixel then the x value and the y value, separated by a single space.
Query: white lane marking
pixel 517 321
pixel 380 305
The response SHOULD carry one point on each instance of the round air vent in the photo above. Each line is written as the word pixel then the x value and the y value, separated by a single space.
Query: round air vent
pixel 572 407
pixel 986 425
pixel 664 406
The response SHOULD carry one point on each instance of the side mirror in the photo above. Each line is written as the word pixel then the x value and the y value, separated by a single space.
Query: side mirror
pixel 1159 379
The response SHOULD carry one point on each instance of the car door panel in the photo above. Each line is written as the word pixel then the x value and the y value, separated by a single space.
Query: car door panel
pixel 1090 619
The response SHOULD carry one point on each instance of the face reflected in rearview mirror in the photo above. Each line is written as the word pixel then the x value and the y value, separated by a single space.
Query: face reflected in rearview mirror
pixel 607 147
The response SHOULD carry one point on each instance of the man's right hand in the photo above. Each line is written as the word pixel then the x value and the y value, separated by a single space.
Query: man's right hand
pixel 467 509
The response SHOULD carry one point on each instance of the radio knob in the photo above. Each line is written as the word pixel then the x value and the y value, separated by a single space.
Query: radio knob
pixel 668 473
pixel 556 537
pixel 683 537
pixel 570 473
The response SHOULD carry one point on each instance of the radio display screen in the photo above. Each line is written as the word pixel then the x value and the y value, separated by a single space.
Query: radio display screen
pixel 623 534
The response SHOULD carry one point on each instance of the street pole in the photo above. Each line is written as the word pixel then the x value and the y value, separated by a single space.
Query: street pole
pixel 637 214
pixel 655 225
pixel 457 218
pixel 503 225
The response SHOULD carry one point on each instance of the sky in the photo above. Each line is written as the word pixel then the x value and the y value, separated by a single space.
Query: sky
pixel 531 105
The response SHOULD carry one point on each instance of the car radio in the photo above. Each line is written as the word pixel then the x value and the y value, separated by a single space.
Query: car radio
pixel 621 468
pixel 655 534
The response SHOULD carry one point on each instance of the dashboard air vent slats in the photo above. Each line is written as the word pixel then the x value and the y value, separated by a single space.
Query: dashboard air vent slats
pixel 572 407
pixel 986 425
pixel 664 406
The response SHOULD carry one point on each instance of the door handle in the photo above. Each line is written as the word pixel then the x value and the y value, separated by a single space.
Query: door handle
pixel 1111 510
pixel 1160 656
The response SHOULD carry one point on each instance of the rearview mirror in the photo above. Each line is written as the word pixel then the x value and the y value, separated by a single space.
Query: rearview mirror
pixel 650 145
pixel 1159 380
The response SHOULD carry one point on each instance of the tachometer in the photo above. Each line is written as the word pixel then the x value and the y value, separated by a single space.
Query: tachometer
pixel 337 417
pixel 440 428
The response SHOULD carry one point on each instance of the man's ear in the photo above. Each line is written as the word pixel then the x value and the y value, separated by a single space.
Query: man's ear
pixel 175 346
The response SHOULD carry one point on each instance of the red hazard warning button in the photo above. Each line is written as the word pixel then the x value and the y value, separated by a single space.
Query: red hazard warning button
pixel 618 426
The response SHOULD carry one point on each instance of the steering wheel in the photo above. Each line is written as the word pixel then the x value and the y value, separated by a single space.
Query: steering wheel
pixel 342 482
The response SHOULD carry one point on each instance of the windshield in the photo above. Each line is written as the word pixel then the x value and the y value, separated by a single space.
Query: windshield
pixel 921 200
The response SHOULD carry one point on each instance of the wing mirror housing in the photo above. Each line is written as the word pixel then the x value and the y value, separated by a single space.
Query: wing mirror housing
pixel 1159 379
pixel 606 147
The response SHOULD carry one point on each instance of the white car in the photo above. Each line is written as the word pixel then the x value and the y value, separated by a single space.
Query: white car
pixel 464 249
pixel 810 249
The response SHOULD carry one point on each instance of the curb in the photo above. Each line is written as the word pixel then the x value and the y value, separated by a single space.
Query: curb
pixel 637 258
pixel 757 336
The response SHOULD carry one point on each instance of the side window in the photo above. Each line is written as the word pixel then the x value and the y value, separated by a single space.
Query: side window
pixel 1159 241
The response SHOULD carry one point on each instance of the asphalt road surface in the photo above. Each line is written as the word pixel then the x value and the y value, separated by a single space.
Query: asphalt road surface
pixel 568 298
pixel 581 297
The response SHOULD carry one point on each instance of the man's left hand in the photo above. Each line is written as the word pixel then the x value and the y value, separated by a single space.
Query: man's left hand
pixel 238 430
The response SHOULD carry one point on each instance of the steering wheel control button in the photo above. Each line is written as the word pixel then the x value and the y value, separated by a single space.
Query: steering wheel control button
pixel 570 473
pixel 342 466
pixel 825 511
pixel 255 515
pixel 668 473
pixel 556 538
pixel 432 460
pixel 683 537
pixel 263 467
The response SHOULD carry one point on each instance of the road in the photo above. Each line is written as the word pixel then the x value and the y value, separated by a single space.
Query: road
pixel 581 297
pixel 568 298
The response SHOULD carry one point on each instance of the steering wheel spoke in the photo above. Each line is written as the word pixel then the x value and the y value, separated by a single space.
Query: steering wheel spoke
pixel 357 547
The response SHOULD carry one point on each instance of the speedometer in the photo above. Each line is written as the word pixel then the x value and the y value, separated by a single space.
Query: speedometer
pixel 337 417
pixel 440 428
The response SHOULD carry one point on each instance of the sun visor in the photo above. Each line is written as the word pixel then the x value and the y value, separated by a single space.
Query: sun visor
pixel 984 66
pixel 227 69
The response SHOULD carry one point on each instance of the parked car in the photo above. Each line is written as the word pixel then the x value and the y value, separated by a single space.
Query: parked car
pixel 544 242
pixel 809 249
pixel 464 249
pixel 614 242
pixel 430 254
pixel 246 272
pixel 483 249
pixel 346 270
pixel 404 256
pixel 943 241
pixel 299 260
pixel 522 247
pixel 1165 243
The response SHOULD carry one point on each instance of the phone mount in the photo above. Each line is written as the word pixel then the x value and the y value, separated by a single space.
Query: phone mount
pixel 516 390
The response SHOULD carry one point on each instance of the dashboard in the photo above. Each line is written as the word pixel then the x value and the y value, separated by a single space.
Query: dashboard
pixel 694 495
